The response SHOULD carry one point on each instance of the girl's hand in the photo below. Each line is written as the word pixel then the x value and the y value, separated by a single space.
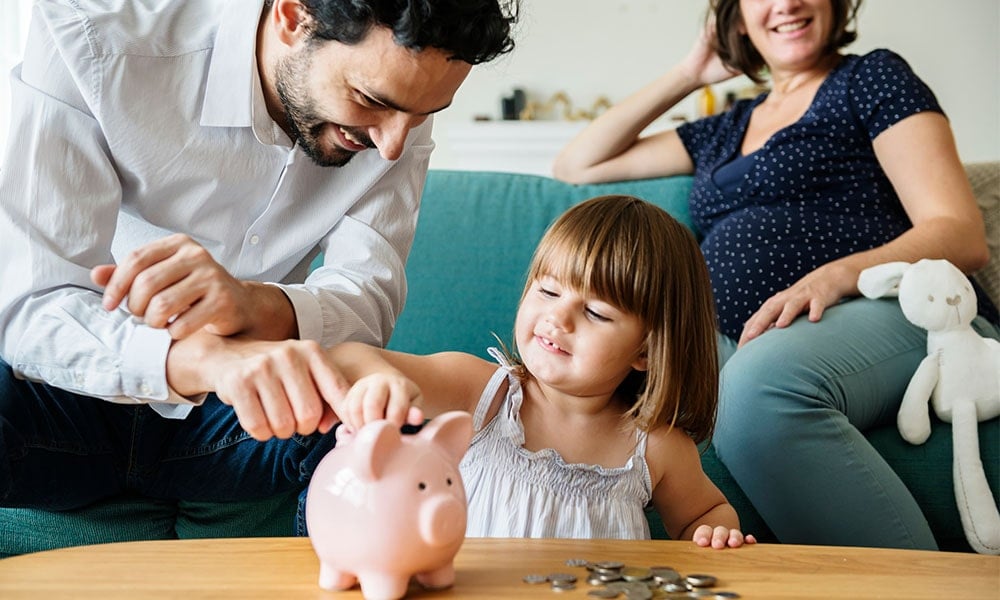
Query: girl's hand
pixel 382 395
pixel 702 64
pixel 721 537
pixel 814 293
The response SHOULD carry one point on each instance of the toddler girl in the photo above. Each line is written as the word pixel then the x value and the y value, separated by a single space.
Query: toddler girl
pixel 598 410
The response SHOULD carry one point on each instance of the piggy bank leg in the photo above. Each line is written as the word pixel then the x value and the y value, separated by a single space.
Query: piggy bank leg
pixel 383 586
pixel 439 578
pixel 333 579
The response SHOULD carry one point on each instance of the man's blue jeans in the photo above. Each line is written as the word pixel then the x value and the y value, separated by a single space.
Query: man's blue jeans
pixel 793 404
pixel 59 450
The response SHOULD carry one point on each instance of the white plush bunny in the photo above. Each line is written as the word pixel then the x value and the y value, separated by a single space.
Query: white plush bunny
pixel 960 377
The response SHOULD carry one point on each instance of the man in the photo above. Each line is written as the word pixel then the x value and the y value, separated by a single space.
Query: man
pixel 171 172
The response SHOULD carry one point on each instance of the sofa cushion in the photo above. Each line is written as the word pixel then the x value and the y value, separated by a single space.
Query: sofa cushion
pixel 133 518
pixel 129 518
pixel 927 471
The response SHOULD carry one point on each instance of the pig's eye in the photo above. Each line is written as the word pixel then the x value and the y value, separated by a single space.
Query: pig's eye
pixel 422 486
pixel 448 480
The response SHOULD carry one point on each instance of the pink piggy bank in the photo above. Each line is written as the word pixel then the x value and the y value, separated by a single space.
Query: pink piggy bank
pixel 383 507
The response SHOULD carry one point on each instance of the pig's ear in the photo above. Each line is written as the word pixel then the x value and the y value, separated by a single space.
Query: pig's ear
pixel 452 431
pixel 375 444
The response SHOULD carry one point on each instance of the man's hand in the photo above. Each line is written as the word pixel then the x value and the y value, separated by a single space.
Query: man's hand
pixel 174 283
pixel 277 388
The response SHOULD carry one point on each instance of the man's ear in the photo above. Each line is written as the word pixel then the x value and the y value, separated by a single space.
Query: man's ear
pixel 291 20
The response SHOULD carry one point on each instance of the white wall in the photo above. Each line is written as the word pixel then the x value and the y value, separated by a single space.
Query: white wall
pixel 590 48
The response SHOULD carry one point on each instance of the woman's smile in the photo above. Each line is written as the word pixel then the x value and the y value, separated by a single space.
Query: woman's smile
pixel 792 26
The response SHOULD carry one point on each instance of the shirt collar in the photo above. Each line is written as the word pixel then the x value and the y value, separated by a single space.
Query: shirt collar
pixel 230 87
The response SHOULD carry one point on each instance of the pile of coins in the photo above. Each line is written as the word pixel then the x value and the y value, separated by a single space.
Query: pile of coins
pixel 611 579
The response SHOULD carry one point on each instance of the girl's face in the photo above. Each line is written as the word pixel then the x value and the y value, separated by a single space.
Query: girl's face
pixel 581 346
pixel 791 35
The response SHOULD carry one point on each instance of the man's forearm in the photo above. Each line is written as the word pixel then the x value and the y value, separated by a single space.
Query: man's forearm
pixel 271 315
pixel 191 362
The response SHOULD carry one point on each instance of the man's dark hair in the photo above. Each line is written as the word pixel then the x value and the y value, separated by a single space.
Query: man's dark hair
pixel 474 31
pixel 736 51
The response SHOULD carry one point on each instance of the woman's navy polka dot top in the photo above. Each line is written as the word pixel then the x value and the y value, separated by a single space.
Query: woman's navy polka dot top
pixel 813 193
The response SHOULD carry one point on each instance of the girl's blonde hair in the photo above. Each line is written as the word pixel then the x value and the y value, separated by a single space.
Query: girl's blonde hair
pixel 637 257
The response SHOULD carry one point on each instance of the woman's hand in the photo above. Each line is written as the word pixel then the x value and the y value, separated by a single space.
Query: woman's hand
pixel 382 395
pixel 818 290
pixel 721 537
pixel 702 64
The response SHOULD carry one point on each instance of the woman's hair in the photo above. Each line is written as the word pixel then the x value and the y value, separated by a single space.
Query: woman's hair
pixel 634 255
pixel 736 50
pixel 474 31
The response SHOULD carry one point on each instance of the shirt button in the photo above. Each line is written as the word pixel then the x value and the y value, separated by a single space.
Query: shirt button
pixel 254 239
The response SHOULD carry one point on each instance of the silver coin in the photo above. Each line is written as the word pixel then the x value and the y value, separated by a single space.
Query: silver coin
pixel 674 588
pixel 610 564
pixel 562 577
pixel 577 562
pixel 603 593
pixel 665 575
pixel 700 580
pixel 721 595
pixel 563 586
pixel 534 578
pixel 636 574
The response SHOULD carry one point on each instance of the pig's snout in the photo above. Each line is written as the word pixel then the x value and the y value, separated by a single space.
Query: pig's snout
pixel 442 520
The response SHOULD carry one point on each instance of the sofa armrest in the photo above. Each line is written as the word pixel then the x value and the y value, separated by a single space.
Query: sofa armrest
pixel 985 180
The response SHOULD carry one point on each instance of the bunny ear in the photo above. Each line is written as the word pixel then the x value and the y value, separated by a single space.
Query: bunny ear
pixel 882 280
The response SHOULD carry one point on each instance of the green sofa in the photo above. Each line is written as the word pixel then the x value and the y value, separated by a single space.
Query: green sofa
pixel 474 239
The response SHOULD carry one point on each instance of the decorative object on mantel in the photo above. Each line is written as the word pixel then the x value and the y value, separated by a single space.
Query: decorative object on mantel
pixel 512 106
pixel 533 109
pixel 706 102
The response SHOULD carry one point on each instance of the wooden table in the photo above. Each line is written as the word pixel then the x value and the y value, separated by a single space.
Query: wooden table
pixel 491 568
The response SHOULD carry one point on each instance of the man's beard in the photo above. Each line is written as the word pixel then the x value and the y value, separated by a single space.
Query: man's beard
pixel 304 124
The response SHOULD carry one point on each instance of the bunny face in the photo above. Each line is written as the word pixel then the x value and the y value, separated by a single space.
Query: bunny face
pixel 935 295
